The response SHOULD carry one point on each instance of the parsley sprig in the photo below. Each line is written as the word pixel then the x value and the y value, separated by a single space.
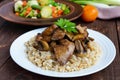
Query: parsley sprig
pixel 66 25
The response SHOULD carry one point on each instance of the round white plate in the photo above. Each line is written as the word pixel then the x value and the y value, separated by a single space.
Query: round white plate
pixel 17 52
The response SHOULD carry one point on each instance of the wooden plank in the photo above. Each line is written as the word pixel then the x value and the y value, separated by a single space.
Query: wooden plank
pixel 118 30
pixel 8 33
pixel 117 66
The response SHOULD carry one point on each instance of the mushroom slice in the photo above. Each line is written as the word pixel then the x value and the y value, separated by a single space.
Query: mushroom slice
pixel 81 29
pixel 91 39
pixel 69 35
pixel 45 45
pixel 78 36
pixel 39 37
pixel 78 47
pixel 85 46
pixel 42 45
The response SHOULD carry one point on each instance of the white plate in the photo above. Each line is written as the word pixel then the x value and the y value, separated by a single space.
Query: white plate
pixel 17 52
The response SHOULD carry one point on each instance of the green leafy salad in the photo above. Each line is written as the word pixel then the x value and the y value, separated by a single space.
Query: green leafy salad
pixel 40 9
pixel 66 25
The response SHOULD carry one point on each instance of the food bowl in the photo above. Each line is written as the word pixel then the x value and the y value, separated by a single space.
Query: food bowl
pixel 7 13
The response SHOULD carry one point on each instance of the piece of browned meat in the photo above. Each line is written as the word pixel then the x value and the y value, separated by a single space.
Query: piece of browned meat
pixel 58 34
pixel 48 31
pixel 52 45
pixel 47 38
pixel 63 51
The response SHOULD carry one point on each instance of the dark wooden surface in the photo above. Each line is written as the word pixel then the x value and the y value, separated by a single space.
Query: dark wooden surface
pixel 9 70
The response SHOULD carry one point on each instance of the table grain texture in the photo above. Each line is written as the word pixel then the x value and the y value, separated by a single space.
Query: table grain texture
pixel 9 31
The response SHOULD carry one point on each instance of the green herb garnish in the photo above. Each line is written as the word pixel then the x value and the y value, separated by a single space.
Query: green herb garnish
pixel 66 25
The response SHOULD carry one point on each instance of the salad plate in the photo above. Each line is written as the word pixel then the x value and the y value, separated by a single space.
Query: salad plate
pixel 7 13
pixel 18 54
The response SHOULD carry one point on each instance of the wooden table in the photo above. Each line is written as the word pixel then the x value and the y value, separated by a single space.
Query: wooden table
pixel 9 70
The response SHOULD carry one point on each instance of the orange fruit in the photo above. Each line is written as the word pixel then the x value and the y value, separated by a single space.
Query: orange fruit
pixel 90 13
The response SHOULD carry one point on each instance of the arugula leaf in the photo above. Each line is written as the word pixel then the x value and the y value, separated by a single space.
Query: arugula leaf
pixel 66 25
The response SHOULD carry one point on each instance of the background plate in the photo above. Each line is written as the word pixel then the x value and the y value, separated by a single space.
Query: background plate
pixel 7 12
pixel 17 52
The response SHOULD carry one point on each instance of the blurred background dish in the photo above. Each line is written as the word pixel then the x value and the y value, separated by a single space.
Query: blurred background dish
pixel 7 13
